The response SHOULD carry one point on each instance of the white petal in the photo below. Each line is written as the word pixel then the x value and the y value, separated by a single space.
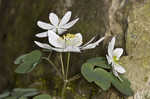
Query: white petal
pixel 55 39
pixel 109 59
pixel 43 34
pixel 68 49
pixel 111 46
pixel 65 18
pixel 119 69
pixel 92 45
pixel 116 74
pixel 58 50
pixel 44 25
pixel 54 30
pixel 118 52
pixel 70 24
pixel 89 41
pixel 53 19
pixel 77 40
pixel 72 49
pixel 46 46
pixel 61 31
pixel 43 45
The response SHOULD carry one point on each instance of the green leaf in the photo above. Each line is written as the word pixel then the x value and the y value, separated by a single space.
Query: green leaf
pixel 5 94
pixel 20 59
pixel 100 62
pixel 102 78
pixel 97 75
pixel 28 62
pixel 24 68
pixel 33 56
pixel 87 71
pixel 25 92
pixel 122 86
pixel 24 89
pixel 93 71
pixel 23 98
pixel 43 96
pixel 31 94
pixel 11 97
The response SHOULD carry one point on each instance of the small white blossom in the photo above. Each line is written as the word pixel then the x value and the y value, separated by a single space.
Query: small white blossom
pixel 58 26
pixel 68 42
pixel 113 58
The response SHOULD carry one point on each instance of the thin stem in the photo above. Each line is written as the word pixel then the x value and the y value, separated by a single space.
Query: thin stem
pixel 66 78
pixel 74 78
pixel 68 61
pixel 49 55
pixel 63 90
pixel 53 65
pixel 62 65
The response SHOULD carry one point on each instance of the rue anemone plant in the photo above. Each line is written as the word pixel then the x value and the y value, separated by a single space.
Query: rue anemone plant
pixel 100 70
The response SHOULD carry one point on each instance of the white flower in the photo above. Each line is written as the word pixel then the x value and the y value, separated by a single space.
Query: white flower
pixel 113 58
pixel 67 43
pixel 58 26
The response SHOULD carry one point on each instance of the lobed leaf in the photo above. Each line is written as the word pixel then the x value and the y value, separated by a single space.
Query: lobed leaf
pixel 28 62
pixel 97 75
pixel 100 62
pixel 104 79
pixel 20 59
pixel 122 86
pixel 87 71
pixel 24 92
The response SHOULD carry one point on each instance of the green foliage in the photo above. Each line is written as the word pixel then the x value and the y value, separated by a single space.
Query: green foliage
pixel 122 86
pixel 28 61
pixel 25 92
pixel 5 94
pixel 20 59
pixel 11 97
pixel 43 96
pixel 97 75
pixel 23 98
pixel 98 72
pixel 19 93
pixel 99 61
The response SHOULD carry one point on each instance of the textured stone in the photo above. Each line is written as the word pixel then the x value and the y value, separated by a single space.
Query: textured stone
pixel 138 47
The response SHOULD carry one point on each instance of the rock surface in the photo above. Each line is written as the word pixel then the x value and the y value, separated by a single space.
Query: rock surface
pixel 138 48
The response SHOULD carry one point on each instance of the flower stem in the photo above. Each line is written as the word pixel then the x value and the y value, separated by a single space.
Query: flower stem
pixel 53 65
pixel 66 78
pixel 63 90
pixel 68 61
pixel 62 65
pixel 74 78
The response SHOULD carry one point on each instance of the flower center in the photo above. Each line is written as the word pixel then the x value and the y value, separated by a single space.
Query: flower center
pixel 68 36
pixel 115 59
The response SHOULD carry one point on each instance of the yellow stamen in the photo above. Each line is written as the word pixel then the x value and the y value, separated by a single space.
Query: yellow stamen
pixel 68 36
pixel 115 59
